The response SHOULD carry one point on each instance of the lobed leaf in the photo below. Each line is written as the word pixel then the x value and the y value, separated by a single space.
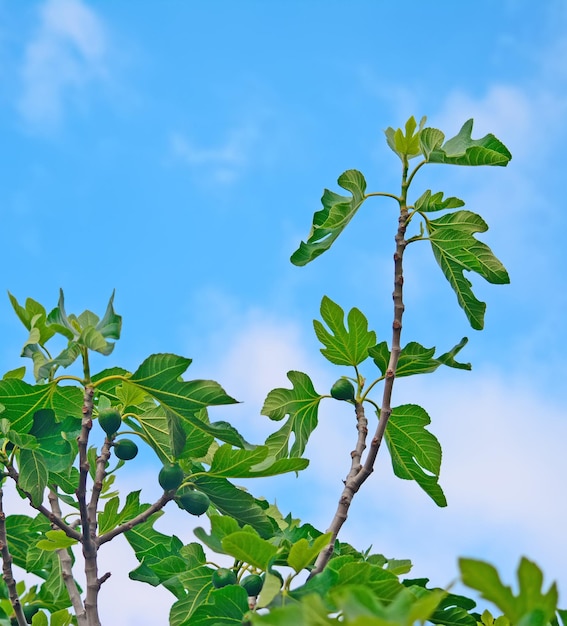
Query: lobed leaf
pixel 21 400
pixel 332 219
pixel 429 202
pixel 301 403
pixel 160 377
pixel 531 603
pixel 456 251
pixel 463 150
pixel 415 452
pixel 343 346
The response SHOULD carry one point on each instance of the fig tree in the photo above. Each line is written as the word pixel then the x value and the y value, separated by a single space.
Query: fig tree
pixel 170 476
pixel 125 449
pixel 343 389
pixel 109 420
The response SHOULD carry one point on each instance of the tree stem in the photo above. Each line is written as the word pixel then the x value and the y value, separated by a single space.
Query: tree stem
pixel 360 472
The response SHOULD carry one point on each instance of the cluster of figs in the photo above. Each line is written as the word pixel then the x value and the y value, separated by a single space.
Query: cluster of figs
pixel 170 476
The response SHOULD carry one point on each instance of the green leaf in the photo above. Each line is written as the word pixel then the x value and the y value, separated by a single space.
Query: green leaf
pixel 456 250
pixel 57 439
pixel 18 373
pixel 301 554
pixel 235 502
pixel 415 359
pixel 250 548
pixel 33 475
pixel 22 400
pixel 343 346
pixel 33 316
pixel 301 404
pixel 463 150
pixel 110 518
pixel 332 219
pixel 232 463
pixel 59 322
pixel 415 452
pixel 197 584
pixel 159 376
pixel 94 340
pixel 429 203
pixel 531 601
pixel 110 325
pixel 221 526
pixel 225 607
pixel 430 139
pixel 55 540
pixel 406 145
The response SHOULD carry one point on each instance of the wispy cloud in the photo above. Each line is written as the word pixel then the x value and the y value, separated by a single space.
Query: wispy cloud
pixel 224 163
pixel 67 53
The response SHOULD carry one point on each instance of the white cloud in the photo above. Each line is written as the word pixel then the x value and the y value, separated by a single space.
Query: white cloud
pixel 67 53
pixel 224 163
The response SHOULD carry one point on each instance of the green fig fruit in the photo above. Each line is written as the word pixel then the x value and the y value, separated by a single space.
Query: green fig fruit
pixel 223 577
pixel 194 502
pixel 125 449
pixel 109 420
pixel 343 389
pixel 170 476
pixel 252 584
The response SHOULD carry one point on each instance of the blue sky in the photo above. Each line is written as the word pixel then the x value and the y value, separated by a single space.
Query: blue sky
pixel 176 152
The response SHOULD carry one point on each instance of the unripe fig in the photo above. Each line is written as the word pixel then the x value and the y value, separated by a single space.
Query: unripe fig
pixel 252 584
pixel 170 476
pixel 223 577
pixel 125 449
pixel 343 389
pixel 194 502
pixel 109 420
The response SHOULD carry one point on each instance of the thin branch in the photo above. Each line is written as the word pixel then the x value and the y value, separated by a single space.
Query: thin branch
pixel 7 572
pixel 54 519
pixel 67 569
pixel 357 477
pixel 139 519
pixel 348 491
pixel 89 534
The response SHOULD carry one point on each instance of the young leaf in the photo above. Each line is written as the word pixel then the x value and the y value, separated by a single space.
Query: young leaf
pixel 456 250
pixel 59 322
pixel 55 540
pixel 342 346
pixel 332 219
pixel 415 452
pixel 221 526
pixel 250 548
pixel 463 150
pixel 111 324
pixel 301 554
pixel 301 404
pixel 429 203
pixel 531 600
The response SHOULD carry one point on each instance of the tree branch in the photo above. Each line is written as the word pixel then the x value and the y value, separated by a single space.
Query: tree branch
pixel 67 569
pixel 139 519
pixel 7 572
pixel 356 477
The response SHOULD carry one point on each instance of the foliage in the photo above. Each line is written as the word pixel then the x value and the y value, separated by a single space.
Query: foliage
pixel 277 570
